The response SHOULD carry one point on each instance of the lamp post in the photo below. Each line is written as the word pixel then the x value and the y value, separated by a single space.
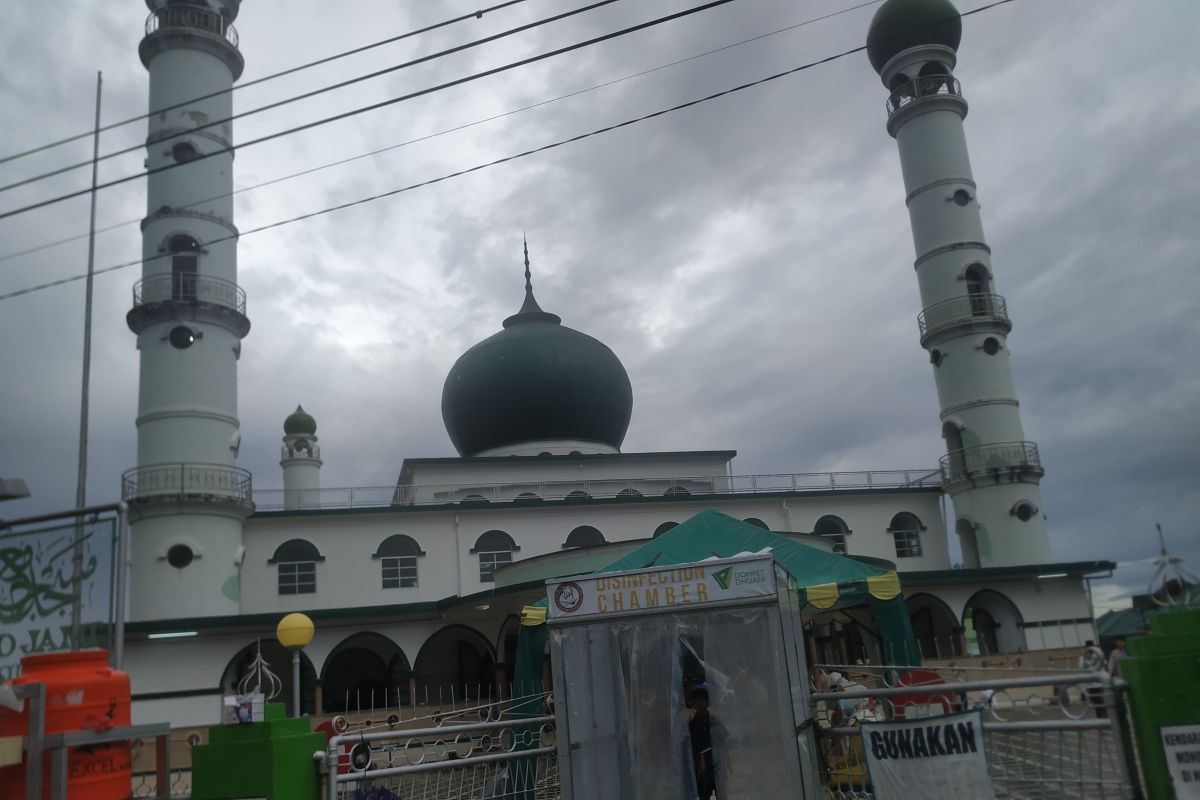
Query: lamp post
pixel 294 632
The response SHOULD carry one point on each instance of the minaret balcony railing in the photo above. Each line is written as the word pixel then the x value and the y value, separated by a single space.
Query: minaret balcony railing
pixel 192 18
pixel 969 311
pixel 1001 462
pixel 189 288
pixel 928 86
pixel 188 295
pixel 188 483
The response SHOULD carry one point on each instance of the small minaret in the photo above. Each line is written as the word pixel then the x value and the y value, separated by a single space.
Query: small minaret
pixel 301 461
pixel 990 470
pixel 187 499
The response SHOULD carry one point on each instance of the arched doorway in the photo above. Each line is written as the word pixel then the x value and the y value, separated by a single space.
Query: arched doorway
pixel 506 651
pixel 279 662
pixel 935 627
pixel 455 665
pixel 365 671
pixel 994 623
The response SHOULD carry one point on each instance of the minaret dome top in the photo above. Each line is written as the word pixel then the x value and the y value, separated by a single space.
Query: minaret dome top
pixel 901 24
pixel 300 422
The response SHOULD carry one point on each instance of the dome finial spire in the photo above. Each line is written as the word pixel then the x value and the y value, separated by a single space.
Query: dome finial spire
pixel 530 310
pixel 528 282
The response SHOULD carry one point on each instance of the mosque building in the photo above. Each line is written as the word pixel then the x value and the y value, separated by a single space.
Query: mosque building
pixel 415 589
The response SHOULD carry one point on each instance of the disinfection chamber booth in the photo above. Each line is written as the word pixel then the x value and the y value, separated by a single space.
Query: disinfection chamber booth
pixel 675 681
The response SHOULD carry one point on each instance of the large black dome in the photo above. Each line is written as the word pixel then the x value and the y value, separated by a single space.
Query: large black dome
pixel 534 381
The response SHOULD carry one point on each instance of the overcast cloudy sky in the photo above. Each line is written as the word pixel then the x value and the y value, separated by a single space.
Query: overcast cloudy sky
pixel 749 259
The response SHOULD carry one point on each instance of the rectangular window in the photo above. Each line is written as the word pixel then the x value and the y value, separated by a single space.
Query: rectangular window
pixel 298 577
pixel 908 544
pixel 490 562
pixel 399 572
pixel 838 540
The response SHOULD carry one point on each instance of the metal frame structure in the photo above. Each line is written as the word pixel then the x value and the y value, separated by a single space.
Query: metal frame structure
pixel 1070 739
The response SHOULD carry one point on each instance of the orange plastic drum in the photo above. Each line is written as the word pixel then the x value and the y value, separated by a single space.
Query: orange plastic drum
pixel 82 693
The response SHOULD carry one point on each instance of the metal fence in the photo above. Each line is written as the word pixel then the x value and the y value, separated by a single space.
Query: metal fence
pixel 477 752
pixel 145 785
pixel 1048 734
pixel 626 489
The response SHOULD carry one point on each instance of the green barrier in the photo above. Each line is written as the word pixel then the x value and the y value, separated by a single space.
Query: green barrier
pixel 1163 672
pixel 272 759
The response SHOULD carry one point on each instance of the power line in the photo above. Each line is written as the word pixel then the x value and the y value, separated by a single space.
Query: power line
pixel 382 104
pixel 313 93
pixel 290 71
pixel 480 167
pixel 426 137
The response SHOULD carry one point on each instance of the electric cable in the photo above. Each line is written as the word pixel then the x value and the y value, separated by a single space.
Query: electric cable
pixel 374 106
pixel 314 92
pixel 289 71
pixel 478 167
pixel 455 129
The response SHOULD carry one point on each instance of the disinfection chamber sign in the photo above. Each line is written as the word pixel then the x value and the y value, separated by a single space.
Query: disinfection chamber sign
pixel 662 589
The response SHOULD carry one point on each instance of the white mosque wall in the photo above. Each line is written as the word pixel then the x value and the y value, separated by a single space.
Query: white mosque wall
pixel 349 576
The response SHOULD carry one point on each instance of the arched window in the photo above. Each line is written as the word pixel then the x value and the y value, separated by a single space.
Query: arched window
pixel 756 522
pixel 495 549
pixel 906 531
pixel 978 290
pixel 584 536
pixel 185 266
pixel 474 498
pixel 398 561
pixel 297 561
pixel 676 491
pixel 661 529
pixel 629 493
pixel 834 529
pixel 578 494
pixel 527 497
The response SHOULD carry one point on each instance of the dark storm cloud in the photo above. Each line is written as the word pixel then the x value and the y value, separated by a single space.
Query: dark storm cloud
pixel 748 259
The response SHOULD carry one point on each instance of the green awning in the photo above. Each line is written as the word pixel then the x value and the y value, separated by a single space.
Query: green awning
pixel 712 534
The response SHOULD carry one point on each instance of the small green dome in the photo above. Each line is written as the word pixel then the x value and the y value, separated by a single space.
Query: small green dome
pixel 536 380
pixel 901 24
pixel 300 422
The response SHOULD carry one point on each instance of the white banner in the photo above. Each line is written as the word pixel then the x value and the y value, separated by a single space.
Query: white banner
pixel 939 758
pixel 683 585
pixel 1181 745
pixel 39 587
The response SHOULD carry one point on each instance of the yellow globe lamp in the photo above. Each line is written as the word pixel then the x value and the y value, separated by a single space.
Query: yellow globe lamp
pixel 294 632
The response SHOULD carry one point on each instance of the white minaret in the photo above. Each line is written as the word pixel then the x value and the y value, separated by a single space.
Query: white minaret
pixel 301 461
pixel 990 470
pixel 187 498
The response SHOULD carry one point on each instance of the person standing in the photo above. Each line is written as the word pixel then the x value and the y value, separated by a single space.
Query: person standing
pixel 700 732
pixel 1114 658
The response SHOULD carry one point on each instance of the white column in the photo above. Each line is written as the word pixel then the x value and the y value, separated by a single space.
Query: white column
pixel 187 498
pixel 991 470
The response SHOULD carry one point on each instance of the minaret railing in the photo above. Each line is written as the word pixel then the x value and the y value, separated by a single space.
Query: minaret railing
pixel 189 288
pixel 1000 460
pixel 966 310
pixel 928 86
pixel 216 482
pixel 192 18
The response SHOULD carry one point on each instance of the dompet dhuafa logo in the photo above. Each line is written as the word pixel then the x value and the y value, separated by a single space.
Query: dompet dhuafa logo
pixel 722 577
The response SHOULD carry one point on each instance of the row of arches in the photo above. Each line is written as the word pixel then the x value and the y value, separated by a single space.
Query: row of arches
pixel 991 624
pixel 579 494
pixel 367 671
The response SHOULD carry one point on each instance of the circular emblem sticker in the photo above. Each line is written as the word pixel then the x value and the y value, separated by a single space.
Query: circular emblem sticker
pixel 568 597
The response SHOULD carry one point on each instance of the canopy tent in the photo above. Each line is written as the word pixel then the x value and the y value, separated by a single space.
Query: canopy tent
pixel 820 580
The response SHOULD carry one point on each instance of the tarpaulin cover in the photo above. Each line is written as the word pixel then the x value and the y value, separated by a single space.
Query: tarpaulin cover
pixel 826 580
